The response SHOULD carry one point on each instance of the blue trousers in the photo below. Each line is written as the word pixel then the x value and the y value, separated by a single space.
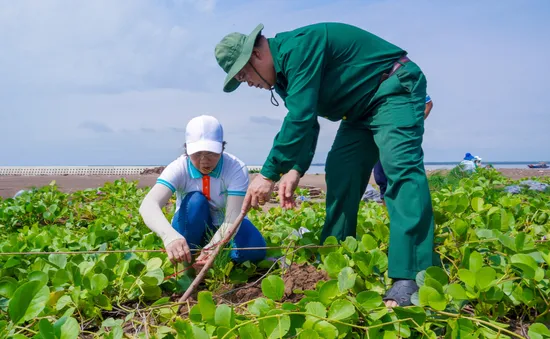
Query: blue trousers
pixel 380 178
pixel 194 222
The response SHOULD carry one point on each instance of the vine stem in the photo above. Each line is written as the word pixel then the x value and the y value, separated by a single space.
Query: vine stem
pixel 163 251
pixel 23 329
pixel 500 329
pixel 364 328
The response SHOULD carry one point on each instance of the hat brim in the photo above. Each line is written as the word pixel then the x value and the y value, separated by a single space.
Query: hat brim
pixel 204 146
pixel 230 83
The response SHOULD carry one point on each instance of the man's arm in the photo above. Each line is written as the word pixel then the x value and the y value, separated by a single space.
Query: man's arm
pixel 303 69
pixel 307 157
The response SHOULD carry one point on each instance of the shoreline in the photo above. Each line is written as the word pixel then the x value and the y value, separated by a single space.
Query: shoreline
pixel 11 184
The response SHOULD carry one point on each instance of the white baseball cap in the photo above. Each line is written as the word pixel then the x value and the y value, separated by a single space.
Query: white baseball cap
pixel 204 133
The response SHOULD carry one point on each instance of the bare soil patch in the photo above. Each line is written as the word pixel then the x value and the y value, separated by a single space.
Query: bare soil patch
pixel 297 278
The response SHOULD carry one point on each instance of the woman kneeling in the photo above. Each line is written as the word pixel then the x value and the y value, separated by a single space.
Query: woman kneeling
pixel 210 186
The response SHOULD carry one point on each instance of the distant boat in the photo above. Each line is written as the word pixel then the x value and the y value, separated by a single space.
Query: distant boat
pixel 541 164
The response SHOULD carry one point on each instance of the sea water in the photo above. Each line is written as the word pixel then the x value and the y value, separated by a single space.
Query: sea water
pixel 430 166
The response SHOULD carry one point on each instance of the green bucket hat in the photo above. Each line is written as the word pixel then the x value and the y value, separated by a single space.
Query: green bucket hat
pixel 232 54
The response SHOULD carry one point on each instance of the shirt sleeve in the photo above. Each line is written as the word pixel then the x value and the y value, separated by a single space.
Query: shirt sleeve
pixel 151 212
pixel 173 175
pixel 233 210
pixel 307 156
pixel 428 99
pixel 237 182
pixel 302 64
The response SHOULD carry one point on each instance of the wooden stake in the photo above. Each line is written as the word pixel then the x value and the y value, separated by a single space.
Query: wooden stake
pixel 230 232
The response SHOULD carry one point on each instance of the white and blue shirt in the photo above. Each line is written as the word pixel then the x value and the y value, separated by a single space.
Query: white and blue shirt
pixel 230 177
pixel 428 99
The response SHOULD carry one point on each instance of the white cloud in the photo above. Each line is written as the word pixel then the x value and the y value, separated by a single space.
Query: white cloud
pixel 143 68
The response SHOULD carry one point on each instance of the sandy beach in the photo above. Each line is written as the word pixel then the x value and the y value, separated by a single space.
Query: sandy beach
pixel 9 185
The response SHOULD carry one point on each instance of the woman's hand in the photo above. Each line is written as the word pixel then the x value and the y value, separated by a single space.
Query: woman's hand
pixel 178 251
pixel 202 259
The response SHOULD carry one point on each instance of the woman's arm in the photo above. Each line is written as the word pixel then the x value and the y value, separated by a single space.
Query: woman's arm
pixel 154 218
pixel 232 211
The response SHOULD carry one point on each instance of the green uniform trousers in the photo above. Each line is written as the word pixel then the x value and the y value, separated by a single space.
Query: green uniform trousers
pixel 391 130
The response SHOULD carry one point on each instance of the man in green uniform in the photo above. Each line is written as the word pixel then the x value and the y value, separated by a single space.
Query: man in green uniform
pixel 340 72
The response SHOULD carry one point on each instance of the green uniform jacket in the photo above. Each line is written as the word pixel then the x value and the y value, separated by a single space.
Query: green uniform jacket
pixel 330 70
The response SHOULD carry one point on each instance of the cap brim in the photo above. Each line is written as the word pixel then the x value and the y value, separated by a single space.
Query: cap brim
pixel 204 146
pixel 230 83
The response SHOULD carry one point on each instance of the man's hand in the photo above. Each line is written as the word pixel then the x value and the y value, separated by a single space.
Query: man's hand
pixel 259 192
pixel 178 251
pixel 287 186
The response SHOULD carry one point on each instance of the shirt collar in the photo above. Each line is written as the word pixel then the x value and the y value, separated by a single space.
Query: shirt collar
pixel 196 174
pixel 274 45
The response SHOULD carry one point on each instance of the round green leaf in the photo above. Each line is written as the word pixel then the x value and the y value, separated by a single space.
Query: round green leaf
pixel 328 242
pixel 526 263
pixel 46 329
pixel 457 292
pixel 350 244
pixel 437 274
pixel 369 299
pixel 250 331
pixel 153 264
pixel 275 327
pixel 59 260
pixel 273 287
pixel 308 334
pixel 153 277
pixel 199 333
pixel 317 309
pixel 39 276
pixel 538 331
pixel 433 283
pixel 28 301
pixel 224 316
pixel 334 263
pixel 368 242
pixel 260 306
pixel 475 262
pixel 485 277
pixel 380 260
pixel 341 309
pixel 8 285
pixel 477 204
pixel 460 227
pixel 206 305
pixel 328 291
pixel 62 302
pixel 468 277
pixel 429 296
pixel 346 279
pixel 417 314
pixel 98 283
pixel 61 277
pixel 103 302
pixel 363 261
pixel 66 328
pixel 111 260
pixel 325 329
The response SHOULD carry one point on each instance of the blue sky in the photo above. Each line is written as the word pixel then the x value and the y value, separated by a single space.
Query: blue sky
pixel 115 82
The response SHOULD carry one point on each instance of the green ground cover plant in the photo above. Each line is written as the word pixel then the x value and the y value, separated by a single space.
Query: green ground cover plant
pixel 493 280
